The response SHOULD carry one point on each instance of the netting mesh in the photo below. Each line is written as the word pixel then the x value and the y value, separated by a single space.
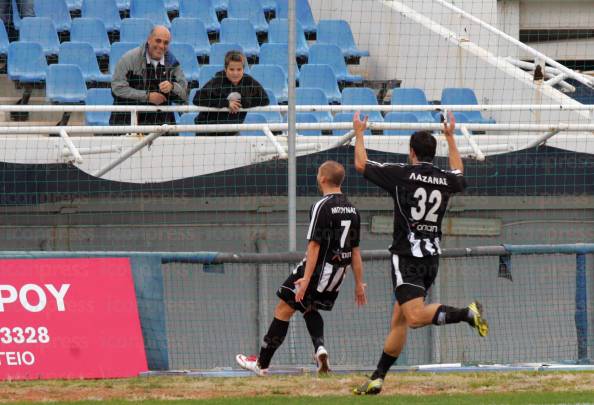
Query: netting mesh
pixel 214 313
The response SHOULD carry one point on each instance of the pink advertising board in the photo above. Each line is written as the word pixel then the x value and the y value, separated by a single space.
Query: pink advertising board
pixel 69 318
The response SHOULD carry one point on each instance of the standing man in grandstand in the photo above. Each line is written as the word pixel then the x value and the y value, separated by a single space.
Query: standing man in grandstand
pixel 151 75
pixel 421 192
pixel 313 285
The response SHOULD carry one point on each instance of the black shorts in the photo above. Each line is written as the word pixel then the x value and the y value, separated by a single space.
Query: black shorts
pixel 312 300
pixel 412 276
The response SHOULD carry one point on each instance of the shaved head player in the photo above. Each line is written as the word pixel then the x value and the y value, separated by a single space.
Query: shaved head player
pixel 333 246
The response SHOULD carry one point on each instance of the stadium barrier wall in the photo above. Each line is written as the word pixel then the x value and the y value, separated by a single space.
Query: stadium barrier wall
pixel 150 271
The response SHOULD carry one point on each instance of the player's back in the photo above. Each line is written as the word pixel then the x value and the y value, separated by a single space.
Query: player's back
pixel 335 225
pixel 423 200
pixel 421 194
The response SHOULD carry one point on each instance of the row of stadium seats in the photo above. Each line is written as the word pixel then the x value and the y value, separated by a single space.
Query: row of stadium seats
pixel 187 30
pixel 157 11
pixel 27 64
pixel 350 96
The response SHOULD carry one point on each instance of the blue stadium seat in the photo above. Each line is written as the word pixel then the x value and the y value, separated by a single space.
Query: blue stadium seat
pixel 55 10
pixel 328 54
pixel 304 14
pixel 91 31
pixel 3 39
pixel 154 10
pixel 362 96
pixel 399 117
pixel 268 5
pixel 219 50
pixel 42 31
pixel 254 118
pixel 272 116
pixel 172 5
pixel 338 32
pixel 65 85
pixel 82 55
pixel 413 96
pixel 202 10
pixel 309 118
pixel 273 78
pixel 207 72
pixel 26 62
pixel 220 5
pixel 187 119
pixel 98 97
pixel 105 10
pixel 191 31
pixel 464 96
pixel 118 49
pixel 313 96
pixel 74 5
pixel 278 33
pixel 250 9
pixel 276 54
pixel 135 30
pixel 123 5
pixel 345 117
pixel 320 76
pixel 240 31
pixel 184 53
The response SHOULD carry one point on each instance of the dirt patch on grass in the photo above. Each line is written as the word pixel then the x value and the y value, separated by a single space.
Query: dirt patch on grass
pixel 170 388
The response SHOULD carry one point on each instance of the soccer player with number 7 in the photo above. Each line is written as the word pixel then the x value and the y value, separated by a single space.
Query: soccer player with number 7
pixel 333 246
pixel 421 192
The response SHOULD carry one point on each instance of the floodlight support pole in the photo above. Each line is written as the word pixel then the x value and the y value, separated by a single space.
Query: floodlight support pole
pixel 292 130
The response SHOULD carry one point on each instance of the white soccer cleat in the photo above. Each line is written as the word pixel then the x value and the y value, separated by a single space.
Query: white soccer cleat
pixel 321 357
pixel 250 363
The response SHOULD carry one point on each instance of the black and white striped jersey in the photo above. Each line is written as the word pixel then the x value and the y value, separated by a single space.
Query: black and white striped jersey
pixel 335 225
pixel 421 193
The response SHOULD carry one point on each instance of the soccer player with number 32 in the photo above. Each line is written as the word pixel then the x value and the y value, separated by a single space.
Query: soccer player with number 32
pixel 421 192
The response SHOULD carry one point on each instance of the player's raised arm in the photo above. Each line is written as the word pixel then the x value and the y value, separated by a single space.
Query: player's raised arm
pixel 357 265
pixel 311 258
pixel 360 152
pixel 449 128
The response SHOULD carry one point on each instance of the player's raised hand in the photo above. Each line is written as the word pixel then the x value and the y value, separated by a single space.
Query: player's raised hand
pixel 358 125
pixel 449 126
pixel 360 296
pixel 301 287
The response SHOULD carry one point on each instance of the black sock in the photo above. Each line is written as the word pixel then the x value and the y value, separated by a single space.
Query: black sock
pixel 315 327
pixel 446 315
pixel 383 366
pixel 272 341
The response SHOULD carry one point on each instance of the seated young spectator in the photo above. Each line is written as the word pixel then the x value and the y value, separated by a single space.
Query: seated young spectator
pixel 230 88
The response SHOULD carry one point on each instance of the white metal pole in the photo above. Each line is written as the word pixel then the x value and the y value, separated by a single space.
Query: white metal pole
pixel 291 119
pixel 282 153
pixel 77 157
pixel 124 156
pixel 537 55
